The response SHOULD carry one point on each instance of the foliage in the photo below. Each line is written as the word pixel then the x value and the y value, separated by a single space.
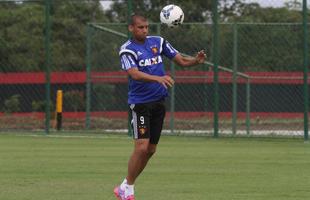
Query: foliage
pixel 68 34
pixel 105 94
pixel 40 106
pixel 255 14
pixel 22 34
pixel 195 10
pixel 74 100
pixel 12 104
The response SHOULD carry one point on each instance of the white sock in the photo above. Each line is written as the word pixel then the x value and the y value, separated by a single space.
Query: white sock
pixel 129 190
pixel 123 185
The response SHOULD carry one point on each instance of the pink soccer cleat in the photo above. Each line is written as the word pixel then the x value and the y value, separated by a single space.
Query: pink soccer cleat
pixel 120 194
pixel 131 197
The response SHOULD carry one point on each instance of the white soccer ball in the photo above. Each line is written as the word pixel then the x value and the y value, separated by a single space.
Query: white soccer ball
pixel 172 16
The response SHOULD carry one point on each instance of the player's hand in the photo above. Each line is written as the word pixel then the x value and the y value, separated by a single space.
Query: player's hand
pixel 166 81
pixel 201 57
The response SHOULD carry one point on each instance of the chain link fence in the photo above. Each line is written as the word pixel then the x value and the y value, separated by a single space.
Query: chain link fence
pixel 22 66
pixel 265 95
pixel 26 77
pixel 261 86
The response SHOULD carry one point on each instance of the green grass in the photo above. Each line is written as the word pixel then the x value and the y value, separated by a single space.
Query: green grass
pixel 79 168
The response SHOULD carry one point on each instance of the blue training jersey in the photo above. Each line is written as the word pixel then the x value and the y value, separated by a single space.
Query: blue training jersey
pixel 147 58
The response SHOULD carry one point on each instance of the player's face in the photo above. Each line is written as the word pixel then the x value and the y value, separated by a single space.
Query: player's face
pixel 139 29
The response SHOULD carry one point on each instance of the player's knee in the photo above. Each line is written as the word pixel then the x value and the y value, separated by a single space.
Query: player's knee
pixel 142 150
pixel 151 151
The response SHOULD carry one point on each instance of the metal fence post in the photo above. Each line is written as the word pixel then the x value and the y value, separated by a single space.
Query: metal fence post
pixel 235 68
pixel 248 106
pixel 129 13
pixel 47 65
pixel 88 75
pixel 215 59
pixel 305 63
pixel 172 99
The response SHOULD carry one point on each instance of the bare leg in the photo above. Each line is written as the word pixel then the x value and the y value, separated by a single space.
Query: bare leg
pixel 142 153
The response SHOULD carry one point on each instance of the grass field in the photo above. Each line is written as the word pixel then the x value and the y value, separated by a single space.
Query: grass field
pixel 87 168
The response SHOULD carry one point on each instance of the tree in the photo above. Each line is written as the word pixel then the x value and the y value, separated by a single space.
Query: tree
pixel 21 37
pixel 22 34
pixel 263 46
pixel 69 32
pixel 195 10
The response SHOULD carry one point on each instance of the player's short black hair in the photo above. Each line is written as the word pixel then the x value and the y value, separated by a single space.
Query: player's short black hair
pixel 136 16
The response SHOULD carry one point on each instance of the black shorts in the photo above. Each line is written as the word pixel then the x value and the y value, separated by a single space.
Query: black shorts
pixel 147 120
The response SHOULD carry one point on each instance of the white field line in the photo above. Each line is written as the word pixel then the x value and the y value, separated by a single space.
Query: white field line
pixel 225 132
pixel 100 134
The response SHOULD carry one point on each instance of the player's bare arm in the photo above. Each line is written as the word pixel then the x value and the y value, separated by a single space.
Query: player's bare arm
pixel 135 74
pixel 187 61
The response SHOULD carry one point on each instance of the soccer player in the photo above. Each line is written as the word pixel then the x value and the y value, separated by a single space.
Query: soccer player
pixel 141 58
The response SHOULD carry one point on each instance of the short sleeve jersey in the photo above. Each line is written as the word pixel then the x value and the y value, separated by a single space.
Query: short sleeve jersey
pixel 147 58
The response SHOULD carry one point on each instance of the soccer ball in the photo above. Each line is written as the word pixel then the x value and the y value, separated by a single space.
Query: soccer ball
pixel 172 16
